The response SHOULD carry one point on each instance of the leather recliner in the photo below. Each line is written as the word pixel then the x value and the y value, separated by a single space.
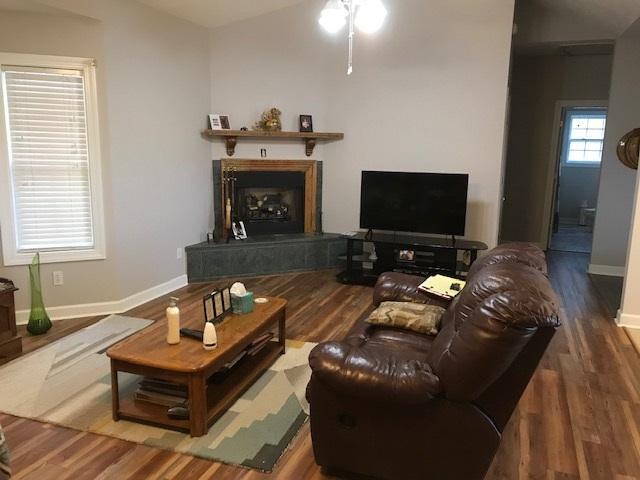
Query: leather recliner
pixel 393 404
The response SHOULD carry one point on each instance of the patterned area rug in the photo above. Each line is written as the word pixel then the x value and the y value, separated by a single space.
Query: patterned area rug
pixel 68 383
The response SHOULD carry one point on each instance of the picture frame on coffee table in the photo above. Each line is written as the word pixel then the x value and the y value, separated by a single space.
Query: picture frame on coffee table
pixel 218 305
pixel 209 308
pixel 226 299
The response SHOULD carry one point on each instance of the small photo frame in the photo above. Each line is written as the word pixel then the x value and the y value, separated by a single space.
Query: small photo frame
pixel 218 305
pixel 306 123
pixel 406 255
pixel 226 299
pixel 209 309
pixel 239 231
pixel 219 122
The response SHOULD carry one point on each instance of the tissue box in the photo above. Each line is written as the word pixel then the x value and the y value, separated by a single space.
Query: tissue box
pixel 242 303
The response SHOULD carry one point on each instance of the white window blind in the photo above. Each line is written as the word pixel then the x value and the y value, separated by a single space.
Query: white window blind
pixel 46 119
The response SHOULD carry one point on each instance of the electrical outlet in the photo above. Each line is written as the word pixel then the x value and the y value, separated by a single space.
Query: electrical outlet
pixel 179 253
pixel 58 278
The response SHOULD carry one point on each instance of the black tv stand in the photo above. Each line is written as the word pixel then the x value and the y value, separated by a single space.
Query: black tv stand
pixel 407 253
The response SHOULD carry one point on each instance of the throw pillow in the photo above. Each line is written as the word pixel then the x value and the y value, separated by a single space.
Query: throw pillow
pixel 417 317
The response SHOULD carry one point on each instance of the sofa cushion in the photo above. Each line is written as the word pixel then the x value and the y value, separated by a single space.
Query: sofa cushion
pixel 381 371
pixel 417 317
pixel 521 253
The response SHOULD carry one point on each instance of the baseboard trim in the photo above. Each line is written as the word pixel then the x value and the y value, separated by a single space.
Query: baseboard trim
pixel 627 320
pixel 608 270
pixel 107 308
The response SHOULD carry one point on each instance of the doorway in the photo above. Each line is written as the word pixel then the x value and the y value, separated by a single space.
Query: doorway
pixel 580 145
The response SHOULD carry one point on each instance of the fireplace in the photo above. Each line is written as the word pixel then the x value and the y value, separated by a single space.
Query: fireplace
pixel 271 197
pixel 270 202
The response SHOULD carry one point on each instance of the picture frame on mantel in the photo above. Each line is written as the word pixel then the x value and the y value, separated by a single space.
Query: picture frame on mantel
pixel 219 122
pixel 306 123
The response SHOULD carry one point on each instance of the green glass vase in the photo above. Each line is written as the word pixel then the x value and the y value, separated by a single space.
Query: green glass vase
pixel 39 321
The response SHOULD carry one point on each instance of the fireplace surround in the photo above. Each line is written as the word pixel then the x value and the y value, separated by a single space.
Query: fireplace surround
pixel 270 196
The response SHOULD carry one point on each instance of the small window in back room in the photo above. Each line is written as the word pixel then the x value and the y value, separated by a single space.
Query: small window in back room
pixel 585 137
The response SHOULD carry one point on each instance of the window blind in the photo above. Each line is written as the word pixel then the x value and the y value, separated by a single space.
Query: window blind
pixel 49 162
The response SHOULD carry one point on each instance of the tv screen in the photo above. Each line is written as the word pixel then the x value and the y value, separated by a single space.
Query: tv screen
pixel 414 202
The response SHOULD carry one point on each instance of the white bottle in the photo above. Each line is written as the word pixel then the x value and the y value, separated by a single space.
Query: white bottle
pixel 173 322
pixel 210 337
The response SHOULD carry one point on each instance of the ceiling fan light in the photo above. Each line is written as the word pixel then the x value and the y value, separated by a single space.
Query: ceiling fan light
pixel 333 16
pixel 370 16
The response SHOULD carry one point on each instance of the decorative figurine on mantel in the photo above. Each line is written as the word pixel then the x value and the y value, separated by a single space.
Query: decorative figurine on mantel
pixel 270 121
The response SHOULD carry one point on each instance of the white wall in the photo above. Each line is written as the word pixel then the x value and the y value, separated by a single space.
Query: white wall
pixel 538 83
pixel 428 94
pixel 617 182
pixel 154 92
pixel 629 314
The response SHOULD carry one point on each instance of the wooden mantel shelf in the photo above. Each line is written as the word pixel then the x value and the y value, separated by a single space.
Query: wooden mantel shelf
pixel 309 138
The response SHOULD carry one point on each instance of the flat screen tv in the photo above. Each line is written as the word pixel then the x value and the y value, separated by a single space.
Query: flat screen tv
pixel 414 202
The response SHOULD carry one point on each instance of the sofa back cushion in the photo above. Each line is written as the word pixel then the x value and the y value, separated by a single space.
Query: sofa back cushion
pixel 488 324
pixel 512 252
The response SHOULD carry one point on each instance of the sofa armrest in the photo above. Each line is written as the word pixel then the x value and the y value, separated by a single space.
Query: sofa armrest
pixel 400 287
pixel 374 374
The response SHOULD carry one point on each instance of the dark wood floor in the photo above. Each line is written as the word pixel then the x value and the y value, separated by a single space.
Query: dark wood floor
pixel 578 419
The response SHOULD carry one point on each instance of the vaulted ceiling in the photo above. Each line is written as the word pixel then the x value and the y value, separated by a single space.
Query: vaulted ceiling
pixel 539 21
pixel 215 13
pixel 568 21
pixel 29 6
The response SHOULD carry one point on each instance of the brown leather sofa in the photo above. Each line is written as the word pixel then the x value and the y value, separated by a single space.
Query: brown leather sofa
pixel 392 404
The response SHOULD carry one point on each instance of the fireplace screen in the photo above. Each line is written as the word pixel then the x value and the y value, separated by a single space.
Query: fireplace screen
pixel 270 202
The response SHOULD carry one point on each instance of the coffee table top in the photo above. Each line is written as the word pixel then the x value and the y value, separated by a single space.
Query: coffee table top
pixel 149 347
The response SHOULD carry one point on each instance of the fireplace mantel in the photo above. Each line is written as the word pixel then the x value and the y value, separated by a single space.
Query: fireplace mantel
pixel 311 169
pixel 310 138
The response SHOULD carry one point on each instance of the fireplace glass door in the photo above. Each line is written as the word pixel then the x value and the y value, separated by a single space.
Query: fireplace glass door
pixel 270 202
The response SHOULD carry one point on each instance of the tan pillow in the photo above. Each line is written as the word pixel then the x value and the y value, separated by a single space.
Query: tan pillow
pixel 410 316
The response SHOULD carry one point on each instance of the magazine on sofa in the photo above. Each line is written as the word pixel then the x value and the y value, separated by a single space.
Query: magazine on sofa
pixel 442 286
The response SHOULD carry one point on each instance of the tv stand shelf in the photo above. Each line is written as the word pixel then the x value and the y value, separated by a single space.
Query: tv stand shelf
pixel 432 255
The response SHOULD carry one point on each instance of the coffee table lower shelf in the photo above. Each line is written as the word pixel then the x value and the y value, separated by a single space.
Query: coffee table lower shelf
pixel 220 396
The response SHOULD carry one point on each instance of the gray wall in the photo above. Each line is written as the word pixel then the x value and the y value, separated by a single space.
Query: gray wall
pixel 617 182
pixel 428 93
pixel 538 83
pixel 154 94
pixel 577 184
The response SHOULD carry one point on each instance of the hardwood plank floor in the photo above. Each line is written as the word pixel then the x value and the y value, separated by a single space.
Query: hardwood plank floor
pixel 578 419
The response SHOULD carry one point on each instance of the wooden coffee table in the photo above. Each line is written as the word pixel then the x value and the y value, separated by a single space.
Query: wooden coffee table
pixel 187 363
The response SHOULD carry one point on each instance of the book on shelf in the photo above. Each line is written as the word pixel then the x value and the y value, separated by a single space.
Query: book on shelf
pixel 233 362
pixel 442 286
pixel 265 337
pixel 164 387
pixel 258 345
pixel 158 398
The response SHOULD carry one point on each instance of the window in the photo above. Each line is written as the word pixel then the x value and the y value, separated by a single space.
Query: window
pixel 584 137
pixel 51 197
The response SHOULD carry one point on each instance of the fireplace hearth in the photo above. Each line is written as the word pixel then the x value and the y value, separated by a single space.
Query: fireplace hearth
pixel 296 200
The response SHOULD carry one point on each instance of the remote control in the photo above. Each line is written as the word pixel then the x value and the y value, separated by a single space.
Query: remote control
pixel 188 332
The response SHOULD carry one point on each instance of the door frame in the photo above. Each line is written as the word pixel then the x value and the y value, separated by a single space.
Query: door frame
pixel 551 187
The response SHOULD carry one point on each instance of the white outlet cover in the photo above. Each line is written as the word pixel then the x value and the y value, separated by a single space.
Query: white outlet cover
pixel 58 278
pixel 179 253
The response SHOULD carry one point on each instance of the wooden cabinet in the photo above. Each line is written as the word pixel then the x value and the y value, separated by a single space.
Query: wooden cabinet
pixel 10 341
